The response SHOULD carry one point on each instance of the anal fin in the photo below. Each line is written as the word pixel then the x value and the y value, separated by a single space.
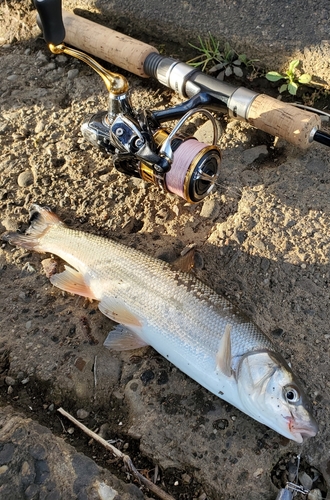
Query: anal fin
pixel 72 281
pixel 122 338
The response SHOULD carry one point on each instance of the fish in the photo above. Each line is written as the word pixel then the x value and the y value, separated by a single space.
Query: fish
pixel 197 330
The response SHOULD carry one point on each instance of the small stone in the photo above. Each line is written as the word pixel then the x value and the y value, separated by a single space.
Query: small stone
pixel 73 73
pixel 106 492
pixel 25 178
pixel 40 126
pixel 10 381
pixel 315 495
pixel 28 325
pixel 25 381
pixel 38 451
pixel 32 492
pixel 12 78
pixel 210 208
pixel 3 469
pixel 82 414
pixel 6 453
pixel 186 478
pixel 50 66
pixel 10 390
pixel 41 57
pixel 305 480
pixel 61 58
pixel 10 224
pixel 258 472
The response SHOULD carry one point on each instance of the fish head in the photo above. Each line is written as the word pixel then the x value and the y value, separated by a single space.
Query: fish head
pixel 270 393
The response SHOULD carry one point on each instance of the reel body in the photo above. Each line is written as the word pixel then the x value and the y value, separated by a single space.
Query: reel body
pixel 171 160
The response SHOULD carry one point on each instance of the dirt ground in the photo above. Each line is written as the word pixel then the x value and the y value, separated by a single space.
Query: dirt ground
pixel 262 239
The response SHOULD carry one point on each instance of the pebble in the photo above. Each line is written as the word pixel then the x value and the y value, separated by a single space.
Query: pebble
pixel 258 472
pixel 39 127
pixel 315 495
pixel 305 480
pixel 25 178
pixel 61 58
pixel 10 381
pixel 73 73
pixel 82 414
pixel 210 208
pixel 28 325
pixel 9 224
pixel 12 78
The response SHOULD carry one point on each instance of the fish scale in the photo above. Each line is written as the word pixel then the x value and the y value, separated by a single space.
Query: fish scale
pixel 199 331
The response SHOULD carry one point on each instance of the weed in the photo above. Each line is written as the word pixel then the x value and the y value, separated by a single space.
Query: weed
pixel 210 53
pixel 225 61
pixel 292 78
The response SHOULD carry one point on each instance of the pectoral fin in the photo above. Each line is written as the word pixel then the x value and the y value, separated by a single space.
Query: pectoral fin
pixel 122 338
pixel 117 311
pixel 72 281
pixel 223 356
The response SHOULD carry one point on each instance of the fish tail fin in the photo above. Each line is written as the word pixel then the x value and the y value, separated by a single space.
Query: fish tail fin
pixel 41 219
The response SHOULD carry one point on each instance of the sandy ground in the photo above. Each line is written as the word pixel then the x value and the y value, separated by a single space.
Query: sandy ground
pixel 262 240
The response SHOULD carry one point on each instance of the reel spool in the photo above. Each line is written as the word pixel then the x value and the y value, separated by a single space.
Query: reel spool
pixel 194 169
pixel 195 165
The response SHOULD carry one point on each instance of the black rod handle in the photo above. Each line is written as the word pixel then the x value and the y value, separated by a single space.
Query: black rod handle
pixel 322 137
pixel 50 14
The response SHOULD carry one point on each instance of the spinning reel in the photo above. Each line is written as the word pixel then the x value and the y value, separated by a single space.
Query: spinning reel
pixel 141 147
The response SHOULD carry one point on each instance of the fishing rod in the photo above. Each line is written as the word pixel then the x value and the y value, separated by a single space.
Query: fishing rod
pixel 140 146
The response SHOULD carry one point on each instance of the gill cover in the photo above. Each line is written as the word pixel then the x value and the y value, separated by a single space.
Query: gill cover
pixel 270 394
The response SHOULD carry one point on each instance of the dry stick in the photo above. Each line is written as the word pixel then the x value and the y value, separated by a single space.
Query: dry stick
pixel 125 458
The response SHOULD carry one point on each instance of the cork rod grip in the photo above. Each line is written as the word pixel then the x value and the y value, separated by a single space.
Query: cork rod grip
pixel 107 44
pixel 283 120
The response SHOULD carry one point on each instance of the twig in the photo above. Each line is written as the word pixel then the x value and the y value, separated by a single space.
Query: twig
pixel 125 458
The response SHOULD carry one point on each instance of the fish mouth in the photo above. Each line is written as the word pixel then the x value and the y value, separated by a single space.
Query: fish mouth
pixel 299 431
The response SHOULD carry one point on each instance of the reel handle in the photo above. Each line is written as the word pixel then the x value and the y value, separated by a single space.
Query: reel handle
pixel 50 15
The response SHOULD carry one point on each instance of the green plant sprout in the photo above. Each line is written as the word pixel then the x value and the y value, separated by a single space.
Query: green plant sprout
pixel 211 57
pixel 292 79
pixel 230 63
pixel 210 53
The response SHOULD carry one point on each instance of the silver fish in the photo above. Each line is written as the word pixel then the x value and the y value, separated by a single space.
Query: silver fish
pixel 197 330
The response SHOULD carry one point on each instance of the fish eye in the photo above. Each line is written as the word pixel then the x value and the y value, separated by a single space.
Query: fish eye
pixel 291 394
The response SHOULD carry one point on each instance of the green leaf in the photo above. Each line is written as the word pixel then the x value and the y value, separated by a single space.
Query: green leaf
pixel 305 78
pixel 283 88
pixel 228 71
pixel 292 88
pixel 273 76
pixel 293 64
pixel 238 71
